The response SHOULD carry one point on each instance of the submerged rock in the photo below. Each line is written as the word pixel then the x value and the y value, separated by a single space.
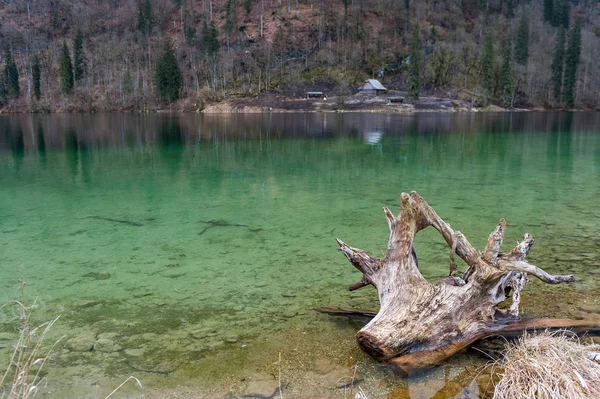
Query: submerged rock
pixel 82 343
pixel 135 352
pixel 232 339
pixel 263 387
pixel 108 335
pixel 107 346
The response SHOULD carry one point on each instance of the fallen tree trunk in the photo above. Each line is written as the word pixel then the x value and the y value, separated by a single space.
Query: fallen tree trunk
pixel 420 324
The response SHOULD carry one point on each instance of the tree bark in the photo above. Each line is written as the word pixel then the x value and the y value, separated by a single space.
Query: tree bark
pixel 420 324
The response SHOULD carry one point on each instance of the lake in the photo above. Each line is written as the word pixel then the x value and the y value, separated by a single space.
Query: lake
pixel 192 249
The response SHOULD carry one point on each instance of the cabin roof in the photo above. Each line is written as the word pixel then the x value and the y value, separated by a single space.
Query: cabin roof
pixel 375 83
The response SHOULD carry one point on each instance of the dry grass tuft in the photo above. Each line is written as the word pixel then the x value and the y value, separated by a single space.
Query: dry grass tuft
pixel 549 366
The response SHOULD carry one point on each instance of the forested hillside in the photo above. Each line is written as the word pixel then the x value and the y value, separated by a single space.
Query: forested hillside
pixel 86 55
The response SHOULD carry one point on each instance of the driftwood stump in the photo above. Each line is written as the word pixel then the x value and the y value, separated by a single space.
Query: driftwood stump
pixel 420 324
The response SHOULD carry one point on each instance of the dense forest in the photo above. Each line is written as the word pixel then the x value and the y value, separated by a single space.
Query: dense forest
pixel 94 55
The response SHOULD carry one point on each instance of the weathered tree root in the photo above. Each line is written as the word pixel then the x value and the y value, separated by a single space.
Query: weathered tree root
pixel 420 324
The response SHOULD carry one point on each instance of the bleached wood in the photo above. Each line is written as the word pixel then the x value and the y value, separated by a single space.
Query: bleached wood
pixel 420 324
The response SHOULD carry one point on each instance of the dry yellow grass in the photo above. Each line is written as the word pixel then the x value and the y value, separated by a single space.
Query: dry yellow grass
pixel 549 366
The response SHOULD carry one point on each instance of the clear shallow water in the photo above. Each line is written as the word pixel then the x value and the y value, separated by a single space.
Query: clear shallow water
pixel 182 232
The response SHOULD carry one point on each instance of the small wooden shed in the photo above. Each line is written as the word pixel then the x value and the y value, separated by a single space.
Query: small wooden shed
pixel 372 86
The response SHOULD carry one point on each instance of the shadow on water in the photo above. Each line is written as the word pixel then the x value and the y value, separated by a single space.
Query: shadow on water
pixel 171 143
pixel 17 147
pixel 72 153
pixel 43 156
pixel 78 156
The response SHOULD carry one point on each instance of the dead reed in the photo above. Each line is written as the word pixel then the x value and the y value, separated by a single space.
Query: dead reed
pixel 549 366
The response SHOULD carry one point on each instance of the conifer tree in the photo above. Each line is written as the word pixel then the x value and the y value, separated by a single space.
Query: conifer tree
pixel 210 39
pixel 167 75
pixel 558 59
pixel 3 89
pixel 190 35
pixel 572 58
pixel 561 13
pixel 414 78
pixel 36 75
pixel 522 44
pixel 230 17
pixel 483 4
pixel 487 65
pixel 11 74
pixel 145 17
pixel 127 82
pixel 549 11
pixel 79 60
pixel 507 74
pixel 510 8
pixel 65 70
pixel 248 6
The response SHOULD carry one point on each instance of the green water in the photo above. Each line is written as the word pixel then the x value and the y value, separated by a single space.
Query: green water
pixel 204 242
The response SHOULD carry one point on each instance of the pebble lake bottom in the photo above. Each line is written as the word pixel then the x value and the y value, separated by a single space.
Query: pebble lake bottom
pixel 190 250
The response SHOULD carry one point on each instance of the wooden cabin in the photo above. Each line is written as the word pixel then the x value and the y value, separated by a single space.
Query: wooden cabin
pixel 372 86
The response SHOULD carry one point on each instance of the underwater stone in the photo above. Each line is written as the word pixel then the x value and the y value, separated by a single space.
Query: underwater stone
pixel 262 388
pixel 215 344
pixel 199 334
pixel 135 352
pixel 107 335
pixel 260 285
pixel 232 339
pixel 288 314
pixel 82 343
pixel 589 308
pixel 106 346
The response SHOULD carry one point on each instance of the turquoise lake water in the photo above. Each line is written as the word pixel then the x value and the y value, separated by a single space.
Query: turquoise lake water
pixel 199 245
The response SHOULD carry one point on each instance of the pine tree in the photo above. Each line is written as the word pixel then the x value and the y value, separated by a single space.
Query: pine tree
pixel 561 13
pixel 65 70
pixel 145 17
pixel 127 82
pixel 483 4
pixel 36 75
pixel 549 11
pixel 487 65
pixel 190 35
pixel 507 74
pixel 167 75
pixel 230 17
pixel 522 44
pixel 414 78
pixel 510 8
pixel 248 6
pixel 558 59
pixel 572 57
pixel 3 89
pixel 79 60
pixel 11 74
pixel 210 39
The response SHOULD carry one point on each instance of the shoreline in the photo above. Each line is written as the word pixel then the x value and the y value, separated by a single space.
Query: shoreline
pixel 280 104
